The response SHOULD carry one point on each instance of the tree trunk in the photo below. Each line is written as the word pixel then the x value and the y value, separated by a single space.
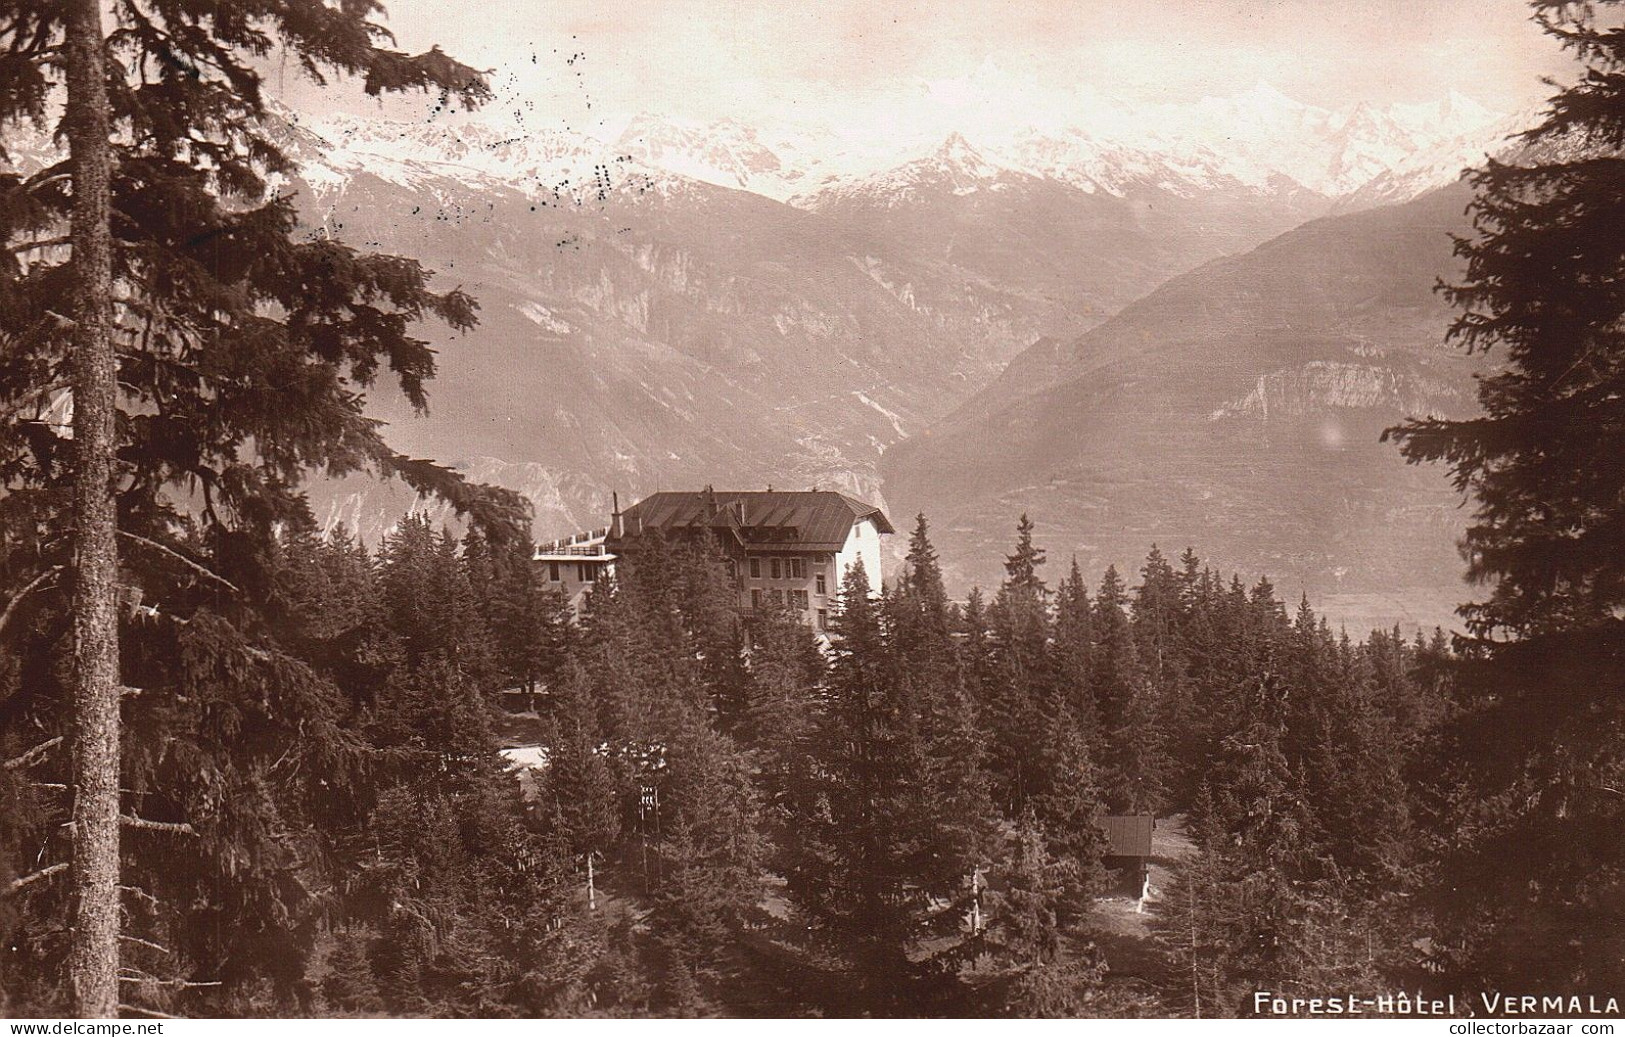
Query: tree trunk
pixel 93 957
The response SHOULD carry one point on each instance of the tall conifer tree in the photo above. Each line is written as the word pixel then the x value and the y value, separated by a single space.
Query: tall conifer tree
pixel 218 370
pixel 866 839
pixel 958 797
pixel 1543 289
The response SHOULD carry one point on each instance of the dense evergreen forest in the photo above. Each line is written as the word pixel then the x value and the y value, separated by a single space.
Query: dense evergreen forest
pixel 774 828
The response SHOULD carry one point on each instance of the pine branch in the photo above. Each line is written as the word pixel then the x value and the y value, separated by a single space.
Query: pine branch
pixel 57 786
pixel 51 175
pixel 141 893
pixel 43 873
pixel 171 552
pixel 35 394
pixel 32 756
pixel 16 599
pixel 160 948
pixel 184 984
pixel 29 246
pixel 173 827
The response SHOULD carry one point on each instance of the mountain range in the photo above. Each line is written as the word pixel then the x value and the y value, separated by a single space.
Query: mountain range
pixel 1259 139
pixel 938 321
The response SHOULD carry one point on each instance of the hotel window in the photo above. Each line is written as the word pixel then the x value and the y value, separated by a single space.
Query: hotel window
pixel 798 599
pixel 822 584
pixel 755 568
pixel 797 570
pixel 553 571
pixel 823 619
pixel 585 571
pixel 778 569
pixel 778 596
pixel 756 599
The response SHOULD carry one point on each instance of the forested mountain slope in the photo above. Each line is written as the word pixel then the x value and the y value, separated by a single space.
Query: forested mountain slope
pixel 1240 406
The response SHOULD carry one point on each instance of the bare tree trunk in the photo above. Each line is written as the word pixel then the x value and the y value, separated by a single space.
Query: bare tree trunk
pixel 93 957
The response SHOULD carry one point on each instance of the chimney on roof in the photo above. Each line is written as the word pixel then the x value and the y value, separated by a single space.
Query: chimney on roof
pixel 615 516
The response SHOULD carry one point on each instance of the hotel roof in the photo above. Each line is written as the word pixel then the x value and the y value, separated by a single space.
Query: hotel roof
pixel 807 520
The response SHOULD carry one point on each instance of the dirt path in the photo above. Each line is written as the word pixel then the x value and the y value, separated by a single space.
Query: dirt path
pixel 1124 931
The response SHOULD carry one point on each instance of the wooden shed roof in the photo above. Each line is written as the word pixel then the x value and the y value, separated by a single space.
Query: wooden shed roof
pixel 1127 835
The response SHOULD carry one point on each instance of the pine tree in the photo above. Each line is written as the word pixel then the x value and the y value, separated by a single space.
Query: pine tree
pixel 583 793
pixel 429 601
pixel 1196 922
pixel 219 370
pixel 1074 652
pixel 958 797
pixel 1050 972
pixel 1157 618
pixel 711 857
pixel 1132 761
pixel 95 868
pixel 1158 624
pixel 786 671
pixel 1271 857
pixel 653 648
pixel 709 604
pixel 1021 693
pixel 1351 756
pixel 1542 732
pixel 858 879
pixel 1025 926
pixel 1186 704
pixel 526 621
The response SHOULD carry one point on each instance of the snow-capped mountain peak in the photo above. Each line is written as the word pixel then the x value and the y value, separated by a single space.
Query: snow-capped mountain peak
pixel 725 152
pixel 1257 140
pixel 956 167
pixel 959 156
pixel 1456 114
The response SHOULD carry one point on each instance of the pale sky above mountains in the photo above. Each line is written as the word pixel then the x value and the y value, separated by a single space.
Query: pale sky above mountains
pixel 918 65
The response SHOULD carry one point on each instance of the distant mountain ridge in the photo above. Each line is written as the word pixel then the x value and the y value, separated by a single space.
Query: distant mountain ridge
pixel 1236 409
pixel 1259 140
pixel 646 327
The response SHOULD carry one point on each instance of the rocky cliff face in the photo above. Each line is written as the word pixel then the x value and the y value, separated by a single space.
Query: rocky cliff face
pixel 1321 386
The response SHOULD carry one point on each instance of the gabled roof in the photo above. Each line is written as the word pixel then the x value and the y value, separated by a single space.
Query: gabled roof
pixel 1127 835
pixel 818 520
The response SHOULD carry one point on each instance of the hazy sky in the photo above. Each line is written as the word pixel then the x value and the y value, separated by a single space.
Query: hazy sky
pixel 579 62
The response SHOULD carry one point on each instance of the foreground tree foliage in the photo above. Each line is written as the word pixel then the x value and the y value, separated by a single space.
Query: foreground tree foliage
pixel 1532 809
pixel 157 434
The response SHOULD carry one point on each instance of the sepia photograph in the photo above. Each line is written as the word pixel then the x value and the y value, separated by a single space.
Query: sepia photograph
pixel 812 509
